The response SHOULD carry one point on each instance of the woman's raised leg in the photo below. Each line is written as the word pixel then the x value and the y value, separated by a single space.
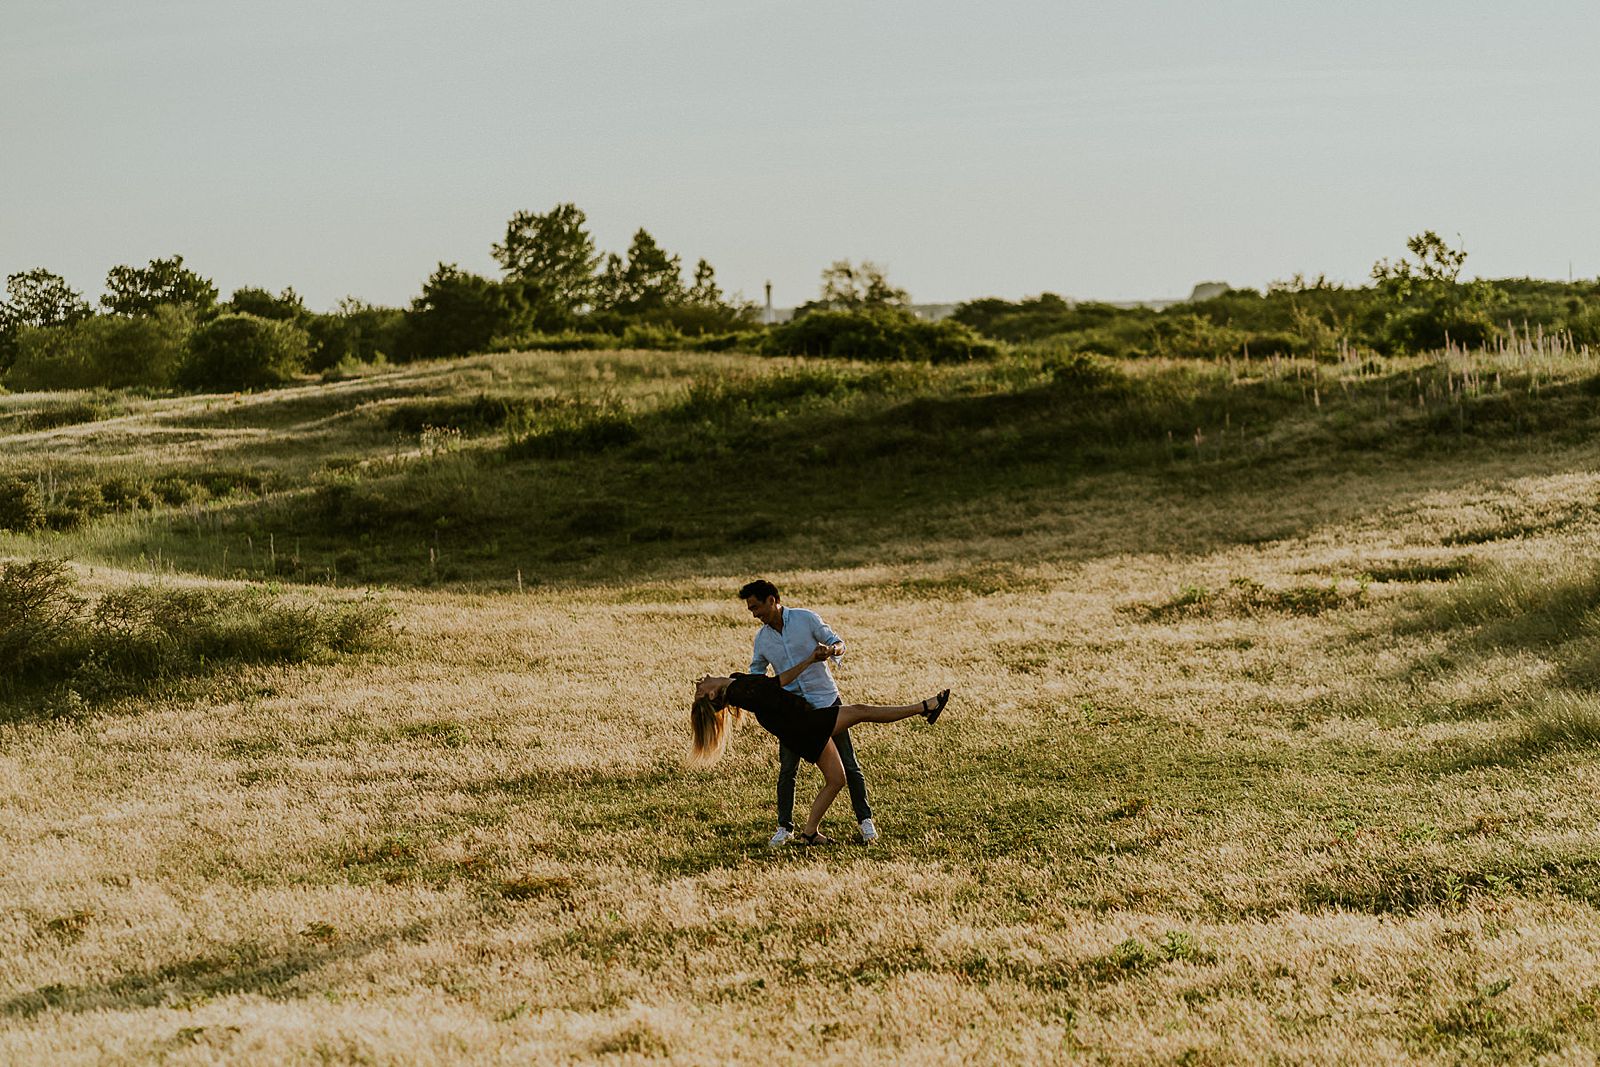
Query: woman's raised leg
pixel 850 714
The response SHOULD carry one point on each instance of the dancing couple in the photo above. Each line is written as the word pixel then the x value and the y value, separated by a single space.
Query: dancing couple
pixel 801 707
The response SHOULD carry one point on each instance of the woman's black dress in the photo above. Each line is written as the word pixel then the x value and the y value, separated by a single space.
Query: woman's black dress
pixel 803 729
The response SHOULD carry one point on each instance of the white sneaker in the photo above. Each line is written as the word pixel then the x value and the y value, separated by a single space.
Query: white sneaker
pixel 869 831
pixel 783 837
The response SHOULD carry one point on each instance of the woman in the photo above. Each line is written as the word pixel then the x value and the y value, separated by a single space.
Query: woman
pixel 806 730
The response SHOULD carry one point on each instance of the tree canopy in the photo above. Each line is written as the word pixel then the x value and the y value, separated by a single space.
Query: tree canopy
pixel 553 259
pixel 140 290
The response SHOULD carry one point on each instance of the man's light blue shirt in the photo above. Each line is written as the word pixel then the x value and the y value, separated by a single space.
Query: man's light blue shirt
pixel 803 631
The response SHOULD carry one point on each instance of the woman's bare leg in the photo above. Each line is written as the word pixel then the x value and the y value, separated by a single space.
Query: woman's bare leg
pixel 850 714
pixel 832 781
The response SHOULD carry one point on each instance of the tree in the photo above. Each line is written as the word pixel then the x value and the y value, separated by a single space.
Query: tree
pixel 610 286
pixel 36 298
pixel 845 285
pixel 1422 304
pixel 652 279
pixel 39 298
pixel 459 312
pixel 140 290
pixel 354 331
pixel 1436 264
pixel 704 292
pixel 103 351
pixel 235 351
pixel 553 258
pixel 285 307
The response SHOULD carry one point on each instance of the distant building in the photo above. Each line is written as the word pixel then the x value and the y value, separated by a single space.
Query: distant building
pixel 934 312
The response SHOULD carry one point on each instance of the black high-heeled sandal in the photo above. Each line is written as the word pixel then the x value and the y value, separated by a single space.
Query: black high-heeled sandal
pixel 938 702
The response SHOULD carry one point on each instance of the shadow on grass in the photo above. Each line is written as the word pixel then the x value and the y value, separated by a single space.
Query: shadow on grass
pixel 1563 723
pixel 243 968
pixel 1399 884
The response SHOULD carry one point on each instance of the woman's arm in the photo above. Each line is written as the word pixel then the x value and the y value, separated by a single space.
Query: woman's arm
pixel 821 653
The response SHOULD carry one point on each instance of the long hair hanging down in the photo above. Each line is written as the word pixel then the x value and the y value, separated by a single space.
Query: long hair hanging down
pixel 711 724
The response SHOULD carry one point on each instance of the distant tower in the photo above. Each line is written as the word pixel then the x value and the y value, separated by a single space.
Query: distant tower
pixel 767 316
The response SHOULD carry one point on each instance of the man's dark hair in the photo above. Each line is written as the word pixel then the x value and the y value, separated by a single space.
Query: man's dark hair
pixel 761 589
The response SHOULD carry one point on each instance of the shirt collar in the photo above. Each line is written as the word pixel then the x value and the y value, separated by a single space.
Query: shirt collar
pixel 783 617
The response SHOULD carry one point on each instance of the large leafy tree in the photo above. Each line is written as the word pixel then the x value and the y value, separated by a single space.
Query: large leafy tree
pixel 39 298
pixel 847 285
pixel 551 257
pixel 458 312
pixel 651 278
pixel 140 290
pixel 287 306
pixel 36 298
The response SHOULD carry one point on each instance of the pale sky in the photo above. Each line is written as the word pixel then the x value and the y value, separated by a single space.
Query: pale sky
pixel 1098 150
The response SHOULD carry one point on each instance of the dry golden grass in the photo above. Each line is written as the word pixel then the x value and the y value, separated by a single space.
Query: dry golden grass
pixel 1196 800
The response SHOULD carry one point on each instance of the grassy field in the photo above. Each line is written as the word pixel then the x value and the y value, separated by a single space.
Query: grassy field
pixel 1273 733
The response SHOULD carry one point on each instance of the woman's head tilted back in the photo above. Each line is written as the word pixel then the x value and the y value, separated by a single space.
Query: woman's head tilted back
pixel 709 720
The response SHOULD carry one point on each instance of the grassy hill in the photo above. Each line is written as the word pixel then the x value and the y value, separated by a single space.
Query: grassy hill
pixel 1272 738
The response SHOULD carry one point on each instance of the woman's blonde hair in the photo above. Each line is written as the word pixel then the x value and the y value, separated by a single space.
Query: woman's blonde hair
pixel 711 721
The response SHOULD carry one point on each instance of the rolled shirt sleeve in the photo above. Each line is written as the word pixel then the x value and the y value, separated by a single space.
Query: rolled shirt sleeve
pixel 825 635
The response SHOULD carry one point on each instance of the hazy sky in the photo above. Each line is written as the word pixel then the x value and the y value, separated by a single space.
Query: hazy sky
pixel 1098 150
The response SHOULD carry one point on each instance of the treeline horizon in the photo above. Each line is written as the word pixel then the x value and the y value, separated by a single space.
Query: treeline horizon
pixel 163 326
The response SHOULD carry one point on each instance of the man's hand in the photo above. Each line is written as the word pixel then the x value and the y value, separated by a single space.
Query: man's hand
pixel 823 652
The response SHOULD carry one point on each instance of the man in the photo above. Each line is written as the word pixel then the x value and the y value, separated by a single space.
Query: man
pixel 788 636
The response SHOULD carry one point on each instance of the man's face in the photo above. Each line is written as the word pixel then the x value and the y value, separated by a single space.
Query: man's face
pixel 766 611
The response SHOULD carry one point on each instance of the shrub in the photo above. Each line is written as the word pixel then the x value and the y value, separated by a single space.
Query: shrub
pixel 106 351
pixel 883 333
pixel 128 492
pixel 661 337
pixel 356 334
pixel 143 637
pixel 565 341
pixel 21 506
pixel 244 352
pixel 72 413
pixel 734 341
pixel 79 503
pixel 40 618
pixel 1081 372
pixel 175 490
pixel 480 414
pixel 228 482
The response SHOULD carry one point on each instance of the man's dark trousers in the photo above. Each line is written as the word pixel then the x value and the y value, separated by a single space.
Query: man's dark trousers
pixel 789 763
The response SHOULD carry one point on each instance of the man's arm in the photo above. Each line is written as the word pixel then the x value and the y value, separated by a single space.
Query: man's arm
pixel 825 636
pixel 818 654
